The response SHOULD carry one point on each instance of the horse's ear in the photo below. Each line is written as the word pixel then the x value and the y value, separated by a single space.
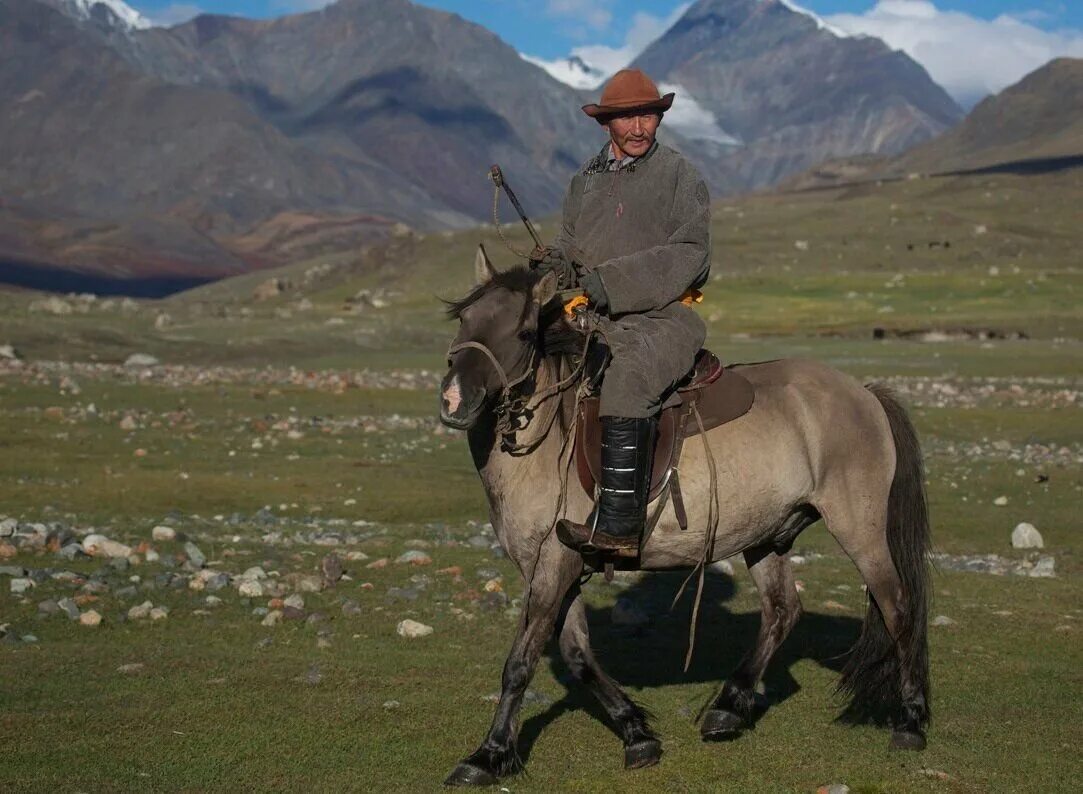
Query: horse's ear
pixel 483 268
pixel 546 289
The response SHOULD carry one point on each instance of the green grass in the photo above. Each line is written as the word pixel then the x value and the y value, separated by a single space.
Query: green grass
pixel 213 710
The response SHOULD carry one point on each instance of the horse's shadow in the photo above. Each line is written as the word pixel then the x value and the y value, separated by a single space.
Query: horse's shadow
pixel 653 655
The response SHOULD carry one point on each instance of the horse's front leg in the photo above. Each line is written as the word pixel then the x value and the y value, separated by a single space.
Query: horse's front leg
pixel 556 571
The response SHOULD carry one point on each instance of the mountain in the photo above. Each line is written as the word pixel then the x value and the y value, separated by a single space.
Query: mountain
pixel 435 97
pixel 1038 118
pixel 795 91
pixel 108 169
pixel 225 143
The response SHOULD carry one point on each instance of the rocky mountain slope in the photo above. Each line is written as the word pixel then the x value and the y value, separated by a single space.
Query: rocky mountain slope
pixel 226 144
pixel 793 90
pixel 1038 118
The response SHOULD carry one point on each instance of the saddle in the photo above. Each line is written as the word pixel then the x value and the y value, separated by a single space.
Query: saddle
pixel 719 394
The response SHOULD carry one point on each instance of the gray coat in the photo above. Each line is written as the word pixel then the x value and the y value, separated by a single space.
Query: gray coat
pixel 645 228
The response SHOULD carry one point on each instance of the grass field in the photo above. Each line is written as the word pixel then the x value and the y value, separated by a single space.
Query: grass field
pixel 280 431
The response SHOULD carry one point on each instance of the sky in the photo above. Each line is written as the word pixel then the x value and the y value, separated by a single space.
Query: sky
pixel 971 47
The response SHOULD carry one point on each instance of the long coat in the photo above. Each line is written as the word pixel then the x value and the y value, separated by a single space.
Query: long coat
pixel 645 228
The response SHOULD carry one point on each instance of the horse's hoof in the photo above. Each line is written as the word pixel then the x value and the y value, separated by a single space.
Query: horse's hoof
pixel 642 753
pixel 469 775
pixel 907 740
pixel 721 725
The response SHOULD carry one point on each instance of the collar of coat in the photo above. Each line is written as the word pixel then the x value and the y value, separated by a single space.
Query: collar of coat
pixel 604 160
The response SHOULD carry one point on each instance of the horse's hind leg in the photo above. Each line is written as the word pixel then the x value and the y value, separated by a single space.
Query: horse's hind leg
pixel 556 571
pixel 887 671
pixel 732 711
pixel 641 746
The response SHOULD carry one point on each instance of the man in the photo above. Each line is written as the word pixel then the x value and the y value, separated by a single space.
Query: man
pixel 636 237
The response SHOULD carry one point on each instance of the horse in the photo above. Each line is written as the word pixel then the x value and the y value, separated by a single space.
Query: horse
pixel 815 444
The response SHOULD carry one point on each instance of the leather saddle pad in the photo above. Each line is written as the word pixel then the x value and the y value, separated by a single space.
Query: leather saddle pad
pixel 721 395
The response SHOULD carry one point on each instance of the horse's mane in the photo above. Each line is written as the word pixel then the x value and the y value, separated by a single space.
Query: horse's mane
pixel 556 336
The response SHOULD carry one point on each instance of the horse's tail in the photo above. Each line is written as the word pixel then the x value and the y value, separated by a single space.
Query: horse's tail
pixel 871 675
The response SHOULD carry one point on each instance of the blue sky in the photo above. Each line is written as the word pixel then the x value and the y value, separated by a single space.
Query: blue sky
pixel 971 47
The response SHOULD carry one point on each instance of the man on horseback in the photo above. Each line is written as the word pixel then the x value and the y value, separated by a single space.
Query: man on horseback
pixel 635 236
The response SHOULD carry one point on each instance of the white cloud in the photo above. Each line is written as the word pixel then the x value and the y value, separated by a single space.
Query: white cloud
pixel 174 14
pixel 692 120
pixel 970 57
pixel 645 28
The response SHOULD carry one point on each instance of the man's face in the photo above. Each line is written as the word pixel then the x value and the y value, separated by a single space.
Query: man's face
pixel 633 135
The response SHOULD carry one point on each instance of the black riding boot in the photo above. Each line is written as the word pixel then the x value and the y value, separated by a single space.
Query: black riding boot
pixel 616 522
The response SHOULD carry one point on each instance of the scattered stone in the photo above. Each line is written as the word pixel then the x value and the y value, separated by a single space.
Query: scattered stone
pixel 414 557
pixel 140 611
pixel 163 534
pixel 1000 501
pixel 313 675
pixel 412 629
pixel 1026 536
pixel 292 613
pixel 141 360
pixel 943 620
pixel 331 567
pixel 196 557
pixel 19 586
pixel 722 566
pixel 272 618
pixel 402 594
pixel 48 607
pixel 101 546
pixel 836 605
pixel 296 601
pixel 90 618
pixel 250 588
pixel 833 788
pixel 391 705
pixel 378 564
pixel 133 667
pixel 159 613
pixel 351 608
pixel 1043 568
pixel 69 607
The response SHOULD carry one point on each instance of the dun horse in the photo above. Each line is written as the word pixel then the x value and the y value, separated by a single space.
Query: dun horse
pixel 816 443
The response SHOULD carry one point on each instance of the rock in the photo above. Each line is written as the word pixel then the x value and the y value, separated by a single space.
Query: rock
pixel 150 556
pixel 414 557
pixel 101 546
pixel 1026 536
pixel 391 705
pixel 627 613
pixel 197 558
pixel 293 613
pixel 331 567
pixel 271 288
pixel 162 322
pixel 412 629
pixel 1043 568
pixel 833 788
pixel 48 607
pixel 255 572
pixel 402 594
pixel 376 565
pixel 8 527
pixel 90 618
pixel 10 353
pixel 1000 501
pixel 69 607
pixel 943 620
pixel 140 611
pixel 12 570
pixel 310 584
pixel 273 618
pixel 51 305
pixel 129 669
pixel 141 360
pixel 250 588
pixel 351 608
pixel 296 601
pixel 74 551
pixel 313 675
pixel 163 534
pixel 23 585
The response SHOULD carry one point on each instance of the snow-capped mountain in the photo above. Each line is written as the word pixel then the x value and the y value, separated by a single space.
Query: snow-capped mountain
pixel 573 70
pixel 127 16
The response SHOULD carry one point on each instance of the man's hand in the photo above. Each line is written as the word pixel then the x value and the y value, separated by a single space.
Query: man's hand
pixel 595 289
pixel 549 258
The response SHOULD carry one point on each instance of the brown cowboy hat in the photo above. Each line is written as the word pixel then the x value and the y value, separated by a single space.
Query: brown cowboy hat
pixel 627 90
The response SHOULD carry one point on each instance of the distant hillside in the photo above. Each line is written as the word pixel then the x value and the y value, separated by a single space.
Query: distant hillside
pixel 795 91
pixel 1041 117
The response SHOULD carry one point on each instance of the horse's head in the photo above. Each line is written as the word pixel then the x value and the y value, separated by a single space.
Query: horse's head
pixel 498 343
